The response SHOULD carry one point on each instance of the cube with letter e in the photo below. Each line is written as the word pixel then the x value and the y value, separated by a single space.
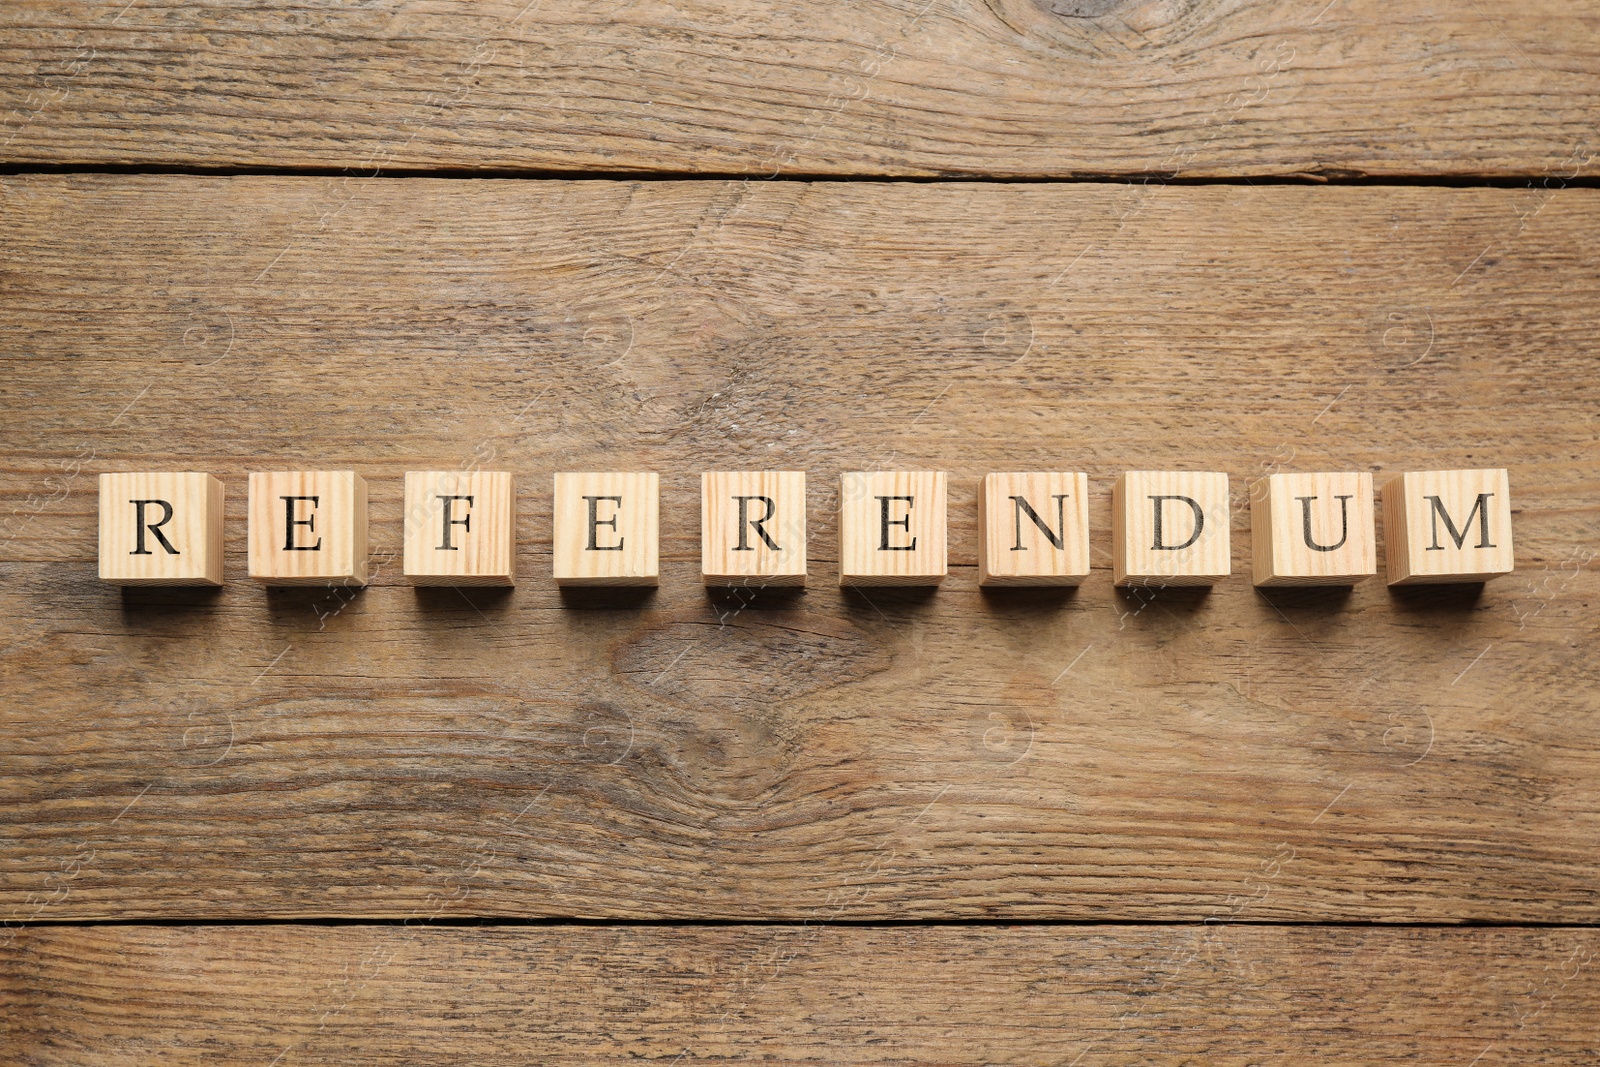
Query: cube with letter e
pixel 606 529
pixel 892 528
pixel 308 528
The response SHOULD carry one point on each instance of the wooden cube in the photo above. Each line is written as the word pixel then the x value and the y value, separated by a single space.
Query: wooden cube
pixel 308 528
pixel 892 528
pixel 1448 526
pixel 1170 528
pixel 160 529
pixel 460 528
pixel 753 528
pixel 1033 529
pixel 1313 529
pixel 607 529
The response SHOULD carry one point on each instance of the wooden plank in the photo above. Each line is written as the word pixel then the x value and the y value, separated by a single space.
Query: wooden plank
pixel 1223 994
pixel 1372 754
pixel 890 87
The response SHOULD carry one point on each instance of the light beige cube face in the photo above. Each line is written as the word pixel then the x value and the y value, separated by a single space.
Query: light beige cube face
pixel 607 529
pixel 460 528
pixel 1033 529
pixel 308 528
pixel 892 528
pixel 753 528
pixel 160 529
pixel 1313 529
pixel 1448 526
pixel 1170 528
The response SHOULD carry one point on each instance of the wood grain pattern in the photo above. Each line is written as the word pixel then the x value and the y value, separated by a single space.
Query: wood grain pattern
pixel 1231 995
pixel 1418 754
pixel 1192 88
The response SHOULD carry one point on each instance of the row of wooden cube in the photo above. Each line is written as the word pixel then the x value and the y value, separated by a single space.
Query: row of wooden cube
pixel 1169 528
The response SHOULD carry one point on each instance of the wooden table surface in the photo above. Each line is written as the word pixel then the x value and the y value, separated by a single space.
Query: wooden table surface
pixel 416 826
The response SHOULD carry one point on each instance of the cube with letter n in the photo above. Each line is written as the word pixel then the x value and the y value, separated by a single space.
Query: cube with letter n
pixel 1033 529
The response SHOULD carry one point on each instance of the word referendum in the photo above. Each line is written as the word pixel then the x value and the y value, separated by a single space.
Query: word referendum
pixel 1168 528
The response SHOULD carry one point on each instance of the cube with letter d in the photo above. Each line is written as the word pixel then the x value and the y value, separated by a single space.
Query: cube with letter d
pixel 1170 528
pixel 1448 526
pixel 892 528
pixel 160 529
pixel 606 529
pixel 308 528
pixel 460 528
pixel 753 528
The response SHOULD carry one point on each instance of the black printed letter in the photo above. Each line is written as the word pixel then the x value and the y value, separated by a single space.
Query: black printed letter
pixel 140 526
pixel 1059 540
pixel 596 522
pixel 883 541
pixel 745 522
pixel 1480 509
pixel 466 523
pixel 1344 523
pixel 1199 523
pixel 290 522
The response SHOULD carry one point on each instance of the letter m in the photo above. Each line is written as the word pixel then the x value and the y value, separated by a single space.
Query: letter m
pixel 1480 508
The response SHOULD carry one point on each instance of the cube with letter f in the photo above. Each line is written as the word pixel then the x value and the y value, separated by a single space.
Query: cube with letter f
pixel 460 528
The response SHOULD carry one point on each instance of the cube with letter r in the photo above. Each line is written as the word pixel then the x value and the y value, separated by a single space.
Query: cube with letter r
pixel 753 528
pixel 160 529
